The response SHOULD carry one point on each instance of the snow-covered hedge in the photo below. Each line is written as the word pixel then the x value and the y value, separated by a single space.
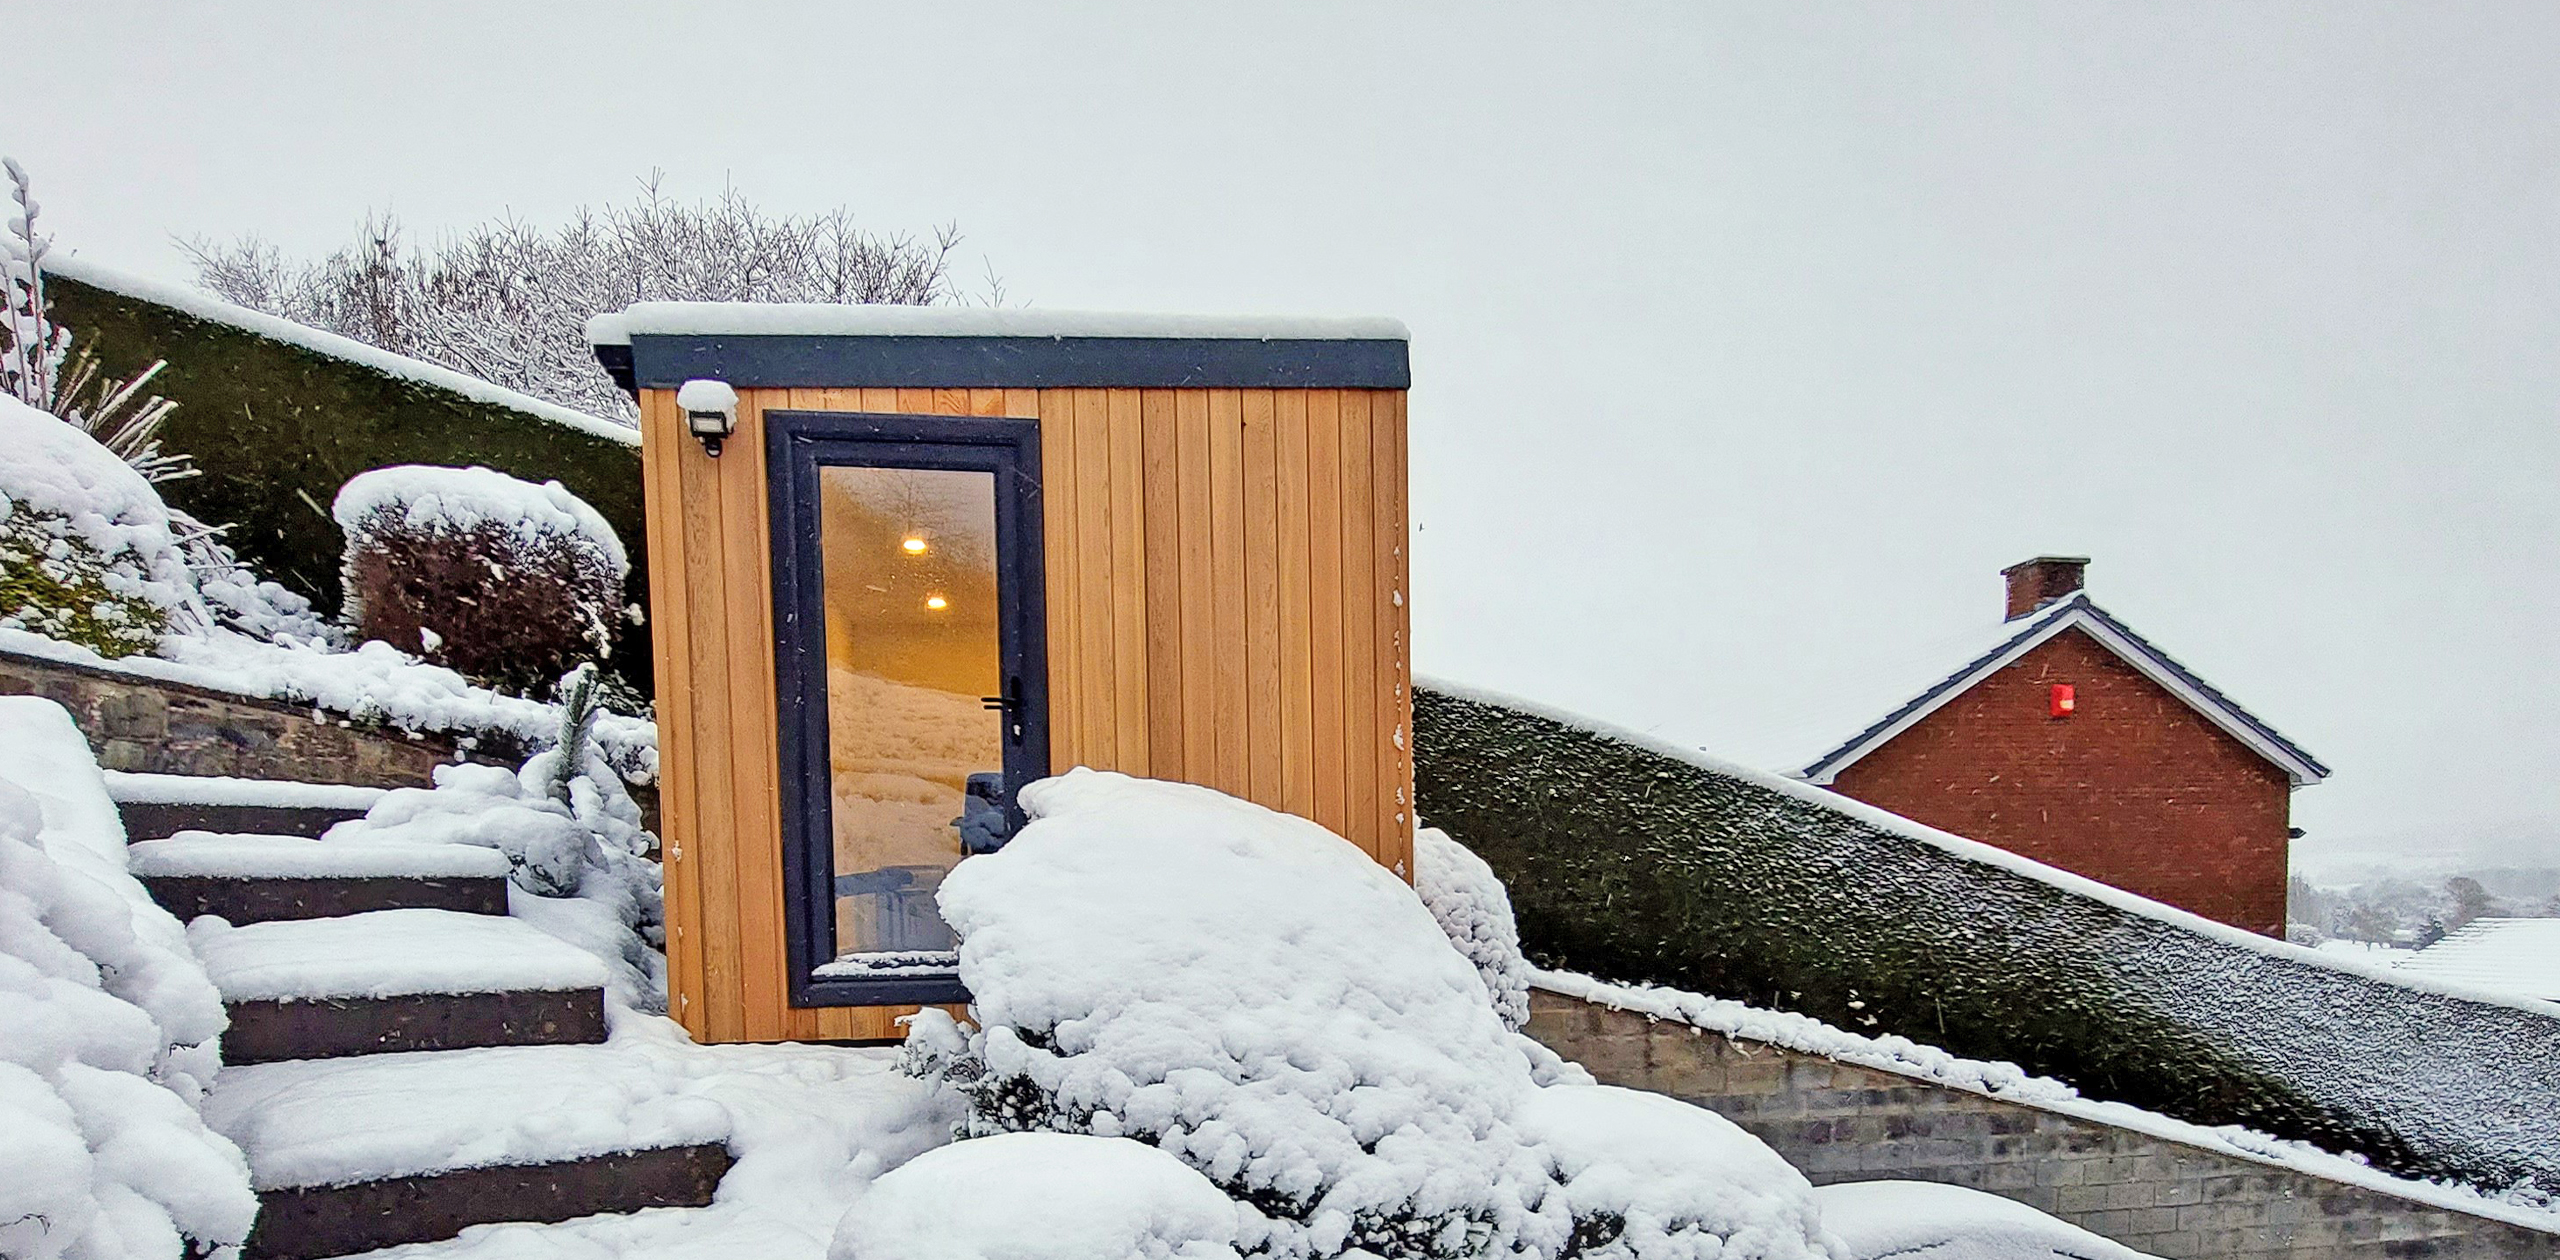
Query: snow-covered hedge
pixel 1258 998
pixel 504 580
pixel 107 1029
pixel 1641 862
pixel 87 554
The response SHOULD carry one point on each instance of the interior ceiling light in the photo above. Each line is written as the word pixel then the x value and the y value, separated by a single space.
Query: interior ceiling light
pixel 936 602
pixel 912 546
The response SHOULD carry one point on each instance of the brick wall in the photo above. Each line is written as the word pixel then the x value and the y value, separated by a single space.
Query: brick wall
pixel 2134 789
pixel 1838 1122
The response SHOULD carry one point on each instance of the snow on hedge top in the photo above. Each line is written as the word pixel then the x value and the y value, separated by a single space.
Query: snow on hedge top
pixel 434 500
pixel 52 467
pixel 1259 998
pixel 215 310
pixel 829 319
pixel 1042 1196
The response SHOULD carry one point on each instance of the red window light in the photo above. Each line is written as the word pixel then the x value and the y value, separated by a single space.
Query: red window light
pixel 2062 701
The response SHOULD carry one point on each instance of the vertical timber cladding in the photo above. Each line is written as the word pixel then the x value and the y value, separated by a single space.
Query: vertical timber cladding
pixel 1226 574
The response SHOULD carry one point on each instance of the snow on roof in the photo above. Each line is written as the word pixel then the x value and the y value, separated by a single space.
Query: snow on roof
pixel 2013 639
pixel 2518 956
pixel 274 328
pixel 829 319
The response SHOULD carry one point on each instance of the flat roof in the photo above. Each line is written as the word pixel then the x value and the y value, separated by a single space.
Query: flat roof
pixel 833 319
pixel 661 345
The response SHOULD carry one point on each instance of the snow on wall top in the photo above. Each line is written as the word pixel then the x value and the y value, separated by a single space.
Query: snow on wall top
pixel 456 500
pixel 817 319
pixel 1901 1056
pixel 215 310
pixel 2520 957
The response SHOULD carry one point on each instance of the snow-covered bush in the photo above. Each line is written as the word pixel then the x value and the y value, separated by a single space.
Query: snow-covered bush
pixel 572 837
pixel 1258 998
pixel 107 1029
pixel 1468 901
pixel 1048 1195
pixel 1921 1220
pixel 504 580
pixel 87 552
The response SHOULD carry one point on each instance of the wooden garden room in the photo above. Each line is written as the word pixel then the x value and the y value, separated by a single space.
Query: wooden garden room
pixel 906 560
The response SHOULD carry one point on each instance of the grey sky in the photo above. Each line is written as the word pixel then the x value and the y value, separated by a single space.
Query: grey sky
pixel 1749 343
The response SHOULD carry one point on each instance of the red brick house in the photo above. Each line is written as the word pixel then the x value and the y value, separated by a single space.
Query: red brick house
pixel 2072 740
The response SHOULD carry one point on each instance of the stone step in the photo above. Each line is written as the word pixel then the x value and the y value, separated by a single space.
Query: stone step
pixel 348 1155
pixel 255 879
pixel 156 806
pixel 396 980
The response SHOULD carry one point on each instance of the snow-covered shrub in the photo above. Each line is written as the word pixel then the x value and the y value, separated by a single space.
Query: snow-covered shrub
pixel 504 580
pixel 1258 998
pixel 87 552
pixel 1648 1175
pixel 1922 1220
pixel 1468 901
pixel 1048 1195
pixel 107 1028
pixel 572 837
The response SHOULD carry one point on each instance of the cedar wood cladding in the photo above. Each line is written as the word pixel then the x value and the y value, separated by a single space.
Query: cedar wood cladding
pixel 1226 571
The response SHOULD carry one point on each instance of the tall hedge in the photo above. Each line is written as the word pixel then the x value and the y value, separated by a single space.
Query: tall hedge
pixel 1635 863
pixel 277 428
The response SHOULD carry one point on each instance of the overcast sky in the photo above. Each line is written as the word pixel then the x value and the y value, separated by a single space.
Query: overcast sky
pixel 1749 343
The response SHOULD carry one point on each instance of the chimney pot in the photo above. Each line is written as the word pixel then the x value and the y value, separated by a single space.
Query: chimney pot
pixel 2038 582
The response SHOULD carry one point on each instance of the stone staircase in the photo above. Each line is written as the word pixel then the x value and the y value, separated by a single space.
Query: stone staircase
pixel 404 1060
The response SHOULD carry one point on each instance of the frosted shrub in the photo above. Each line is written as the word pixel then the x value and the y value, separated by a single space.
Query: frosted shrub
pixel 87 552
pixel 502 580
pixel 1050 1195
pixel 1255 996
pixel 1471 907
pixel 572 837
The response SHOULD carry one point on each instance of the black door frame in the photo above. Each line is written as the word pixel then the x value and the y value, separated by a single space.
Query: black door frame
pixel 797 444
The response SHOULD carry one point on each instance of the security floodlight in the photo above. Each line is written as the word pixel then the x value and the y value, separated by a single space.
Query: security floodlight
pixel 710 412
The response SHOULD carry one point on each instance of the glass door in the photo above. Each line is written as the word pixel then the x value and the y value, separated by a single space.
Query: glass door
pixel 907 653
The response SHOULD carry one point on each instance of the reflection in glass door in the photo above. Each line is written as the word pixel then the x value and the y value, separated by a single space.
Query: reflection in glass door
pixel 909 565
pixel 909 671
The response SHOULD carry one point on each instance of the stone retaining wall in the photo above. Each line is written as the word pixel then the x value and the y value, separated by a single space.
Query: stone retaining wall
pixel 153 727
pixel 150 726
pixel 1839 1122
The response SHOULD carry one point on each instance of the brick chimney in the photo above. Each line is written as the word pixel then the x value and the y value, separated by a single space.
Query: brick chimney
pixel 2038 582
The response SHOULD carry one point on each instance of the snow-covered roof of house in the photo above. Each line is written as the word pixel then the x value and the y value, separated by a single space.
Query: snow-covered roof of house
pixel 1997 647
pixel 660 345
pixel 2516 956
pixel 211 309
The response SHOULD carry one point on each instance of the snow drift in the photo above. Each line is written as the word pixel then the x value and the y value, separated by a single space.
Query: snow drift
pixel 1256 997
pixel 107 1028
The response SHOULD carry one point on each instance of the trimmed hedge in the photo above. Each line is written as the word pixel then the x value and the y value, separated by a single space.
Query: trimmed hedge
pixel 277 428
pixel 1638 865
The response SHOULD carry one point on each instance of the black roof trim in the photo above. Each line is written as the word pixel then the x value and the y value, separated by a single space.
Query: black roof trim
pixel 659 361
pixel 616 360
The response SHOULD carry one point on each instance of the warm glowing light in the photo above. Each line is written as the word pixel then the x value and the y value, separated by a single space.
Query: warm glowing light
pixel 913 546
pixel 936 602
